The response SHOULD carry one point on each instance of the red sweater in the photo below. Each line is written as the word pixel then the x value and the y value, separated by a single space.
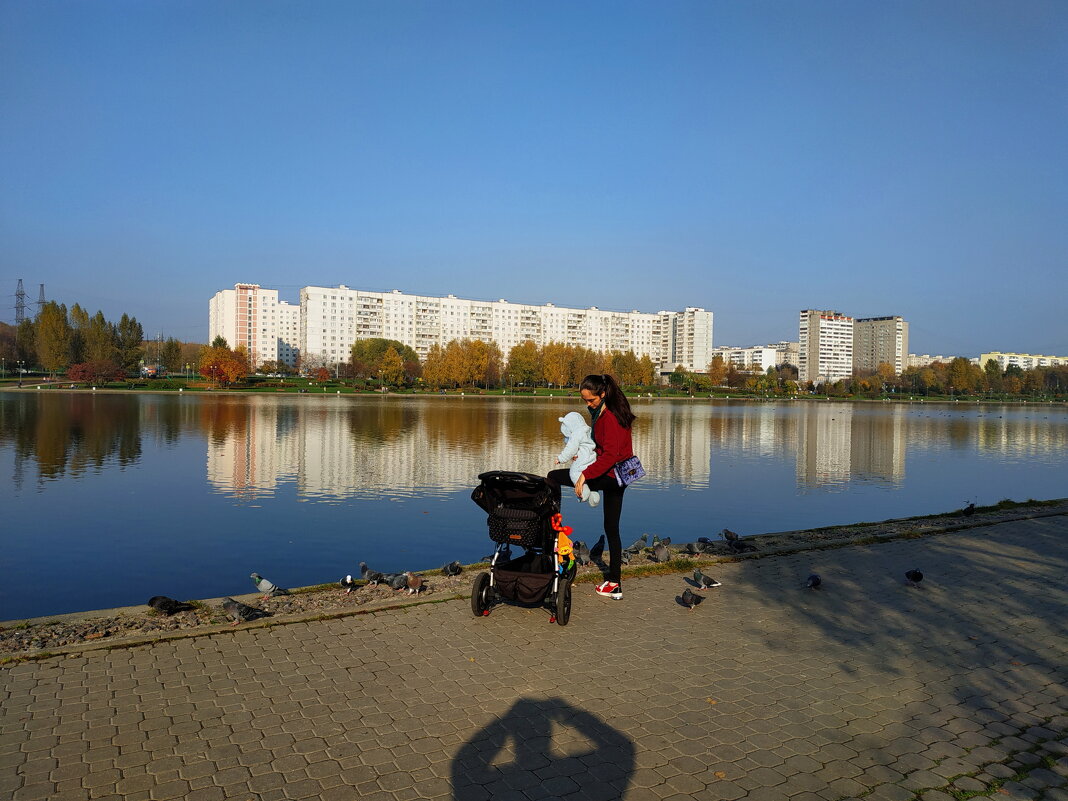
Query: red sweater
pixel 613 444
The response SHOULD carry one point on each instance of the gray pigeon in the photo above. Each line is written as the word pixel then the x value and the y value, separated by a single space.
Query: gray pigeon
pixel 689 599
pixel 704 582
pixel 414 582
pixel 372 577
pixel 661 553
pixel 638 544
pixel 397 581
pixel 625 557
pixel 913 576
pixel 597 551
pixel 240 613
pixel 168 606
pixel 268 588
pixel 452 569
pixel 729 535
pixel 582 553
pixel 969 510
pixel 740 546
pixel 813 582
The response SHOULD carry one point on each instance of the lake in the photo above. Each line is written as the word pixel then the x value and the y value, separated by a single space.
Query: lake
pixel 109 499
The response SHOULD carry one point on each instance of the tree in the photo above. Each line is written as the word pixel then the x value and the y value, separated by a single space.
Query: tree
pixel 992 375
pixel 717 370
pixel 171 355
pixel 646 371
pixel 556 360
pixel 366 355
pixel 391 367
pixel 434 367
pixel 54 337
pixel 221 365
pixel 97 372
pixel 679 378
pixel 79 322
pixel 100 340
pixel 129 335
pixel 26 342
pixel 220 342
pixel 524 363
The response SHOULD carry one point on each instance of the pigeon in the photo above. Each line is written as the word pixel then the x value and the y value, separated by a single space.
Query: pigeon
pixel 913 576
pixel 452 569
pixel 691 548
pixel 689 599
pixel 656 541
pixel 349 583
pixel 704 540
pixel 372 577
pixel 624 557
pixel 597 551
pixel 240 612
pixel 582 553
pixel 729 536
pixel 268 588
pixel 397 581
pixel 661 553
pixel 740 546
pixel 969 510
pixel 704 582
pixel 638 544
pixel 813 582
pixel 414 582
pixel 168 606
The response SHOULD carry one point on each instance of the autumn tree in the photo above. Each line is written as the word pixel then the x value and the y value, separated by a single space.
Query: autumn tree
pixel 79 323
pixel 646 371
pixel 221 365
pixel 391 367
pixel 54 337
pixel 366 355
pixel 100 340
pixel 96 372
pixel 26 342
pixel 557 362
pixel 717 370
pixel 524 363
pixel 434 367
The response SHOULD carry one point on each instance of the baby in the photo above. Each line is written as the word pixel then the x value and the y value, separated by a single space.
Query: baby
pixel 578 453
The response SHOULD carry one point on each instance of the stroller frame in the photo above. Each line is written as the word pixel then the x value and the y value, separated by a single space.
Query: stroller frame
pixel 521 510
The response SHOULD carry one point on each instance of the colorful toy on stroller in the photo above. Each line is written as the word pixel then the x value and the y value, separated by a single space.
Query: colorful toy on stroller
pixel 523 512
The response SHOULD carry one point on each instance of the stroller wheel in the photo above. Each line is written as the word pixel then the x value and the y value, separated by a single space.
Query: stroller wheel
pixel 480 595
pixel 563 602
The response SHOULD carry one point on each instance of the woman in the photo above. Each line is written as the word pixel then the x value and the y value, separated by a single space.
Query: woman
pixel 611 422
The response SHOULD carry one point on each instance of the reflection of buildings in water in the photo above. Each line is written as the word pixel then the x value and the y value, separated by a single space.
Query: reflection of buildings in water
pixel 674 442
pixel 249 460
pixel 823 453
pixel 842 442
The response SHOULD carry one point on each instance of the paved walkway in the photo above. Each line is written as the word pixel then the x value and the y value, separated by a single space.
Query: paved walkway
pixel 766 691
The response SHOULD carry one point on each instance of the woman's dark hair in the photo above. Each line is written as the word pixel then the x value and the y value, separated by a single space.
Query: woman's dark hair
pixel 614 398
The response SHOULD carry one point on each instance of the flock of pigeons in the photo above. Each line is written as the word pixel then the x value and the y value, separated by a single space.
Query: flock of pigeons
pixel 656 550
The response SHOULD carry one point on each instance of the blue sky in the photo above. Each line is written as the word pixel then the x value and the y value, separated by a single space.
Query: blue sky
pixel 753 158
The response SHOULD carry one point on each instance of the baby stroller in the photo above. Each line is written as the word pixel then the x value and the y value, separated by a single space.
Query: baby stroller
pixel 523 512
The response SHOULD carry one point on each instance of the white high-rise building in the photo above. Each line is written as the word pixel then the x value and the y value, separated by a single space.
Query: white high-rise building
pixel 826 346
pixel 254 317
pixel 333 318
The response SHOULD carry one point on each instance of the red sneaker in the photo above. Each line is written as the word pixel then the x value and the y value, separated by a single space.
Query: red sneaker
pixel 610 589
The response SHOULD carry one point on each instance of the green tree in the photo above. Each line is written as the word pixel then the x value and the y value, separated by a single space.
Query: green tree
pixel 220 342
pixel 129 335
pixel 992 375
pixel 366 355
pixel 79 322
pixel 26 343
pixel 54 337
pixel 171 355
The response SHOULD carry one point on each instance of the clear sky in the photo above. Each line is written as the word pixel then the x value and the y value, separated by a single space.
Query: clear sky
pixel 752 157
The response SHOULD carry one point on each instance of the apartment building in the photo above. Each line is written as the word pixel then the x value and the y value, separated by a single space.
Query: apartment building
pixel 333 318
pixel 880 340
pixel 825 350
pixel 753 359
pixel 254 317
pixel 1025 361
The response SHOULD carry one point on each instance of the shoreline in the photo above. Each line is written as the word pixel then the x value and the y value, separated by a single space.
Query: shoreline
pixel 132 626
pixel 334 392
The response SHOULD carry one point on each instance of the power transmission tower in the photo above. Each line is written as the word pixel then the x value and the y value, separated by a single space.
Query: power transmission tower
pixel 20 304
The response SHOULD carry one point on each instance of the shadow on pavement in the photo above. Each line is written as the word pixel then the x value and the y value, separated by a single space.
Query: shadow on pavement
pixel 545 743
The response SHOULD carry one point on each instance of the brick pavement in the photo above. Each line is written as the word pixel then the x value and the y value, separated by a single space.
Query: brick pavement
pixel 865 688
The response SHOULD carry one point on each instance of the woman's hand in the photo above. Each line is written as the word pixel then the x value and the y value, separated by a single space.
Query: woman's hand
pixel 579 485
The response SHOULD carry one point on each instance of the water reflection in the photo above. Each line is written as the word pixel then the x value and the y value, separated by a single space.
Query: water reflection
pixel 334 448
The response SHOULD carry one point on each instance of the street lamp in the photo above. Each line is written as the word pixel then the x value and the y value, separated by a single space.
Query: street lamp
pixel 20 363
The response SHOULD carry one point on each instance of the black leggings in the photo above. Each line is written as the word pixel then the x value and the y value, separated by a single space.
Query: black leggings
pixel 611 502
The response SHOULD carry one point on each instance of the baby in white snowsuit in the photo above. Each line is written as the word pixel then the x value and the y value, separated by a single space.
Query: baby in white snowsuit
pixel 578 453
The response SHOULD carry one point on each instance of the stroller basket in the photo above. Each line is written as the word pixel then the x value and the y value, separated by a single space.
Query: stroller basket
pixel 526 580
pixel 520 508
